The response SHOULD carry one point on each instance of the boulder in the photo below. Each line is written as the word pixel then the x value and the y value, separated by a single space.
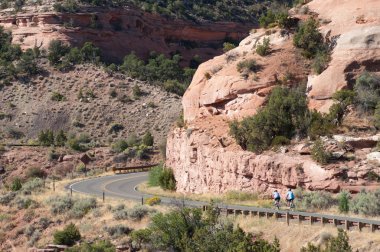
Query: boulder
pixel 374 156
pixel 358 142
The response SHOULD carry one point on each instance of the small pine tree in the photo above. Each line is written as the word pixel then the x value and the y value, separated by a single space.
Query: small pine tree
pixel 344 202
pixel 61 138
pixel 148 139
pixel 68 236
pixel 46 138
pixel 339 243
pixel 167 180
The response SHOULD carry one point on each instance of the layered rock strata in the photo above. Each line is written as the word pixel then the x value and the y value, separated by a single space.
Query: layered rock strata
pixel 123 31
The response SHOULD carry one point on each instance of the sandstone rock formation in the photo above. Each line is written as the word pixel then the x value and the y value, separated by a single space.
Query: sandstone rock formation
pixel 206 159
pixel 124 30
pixel 355 27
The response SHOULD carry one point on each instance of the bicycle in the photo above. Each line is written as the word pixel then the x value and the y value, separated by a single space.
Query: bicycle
pixel 277 204
pixel 291 205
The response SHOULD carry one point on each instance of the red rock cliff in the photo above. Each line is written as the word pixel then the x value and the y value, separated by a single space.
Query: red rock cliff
pixel 120 31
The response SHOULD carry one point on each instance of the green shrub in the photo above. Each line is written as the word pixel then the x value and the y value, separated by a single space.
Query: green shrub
pixel 320 124
pixel 116 127
pixel 175 87
pixel 119 146
pixel 228 46
pixel 16 184
pixel 344 198
pixel 79 143
pixel 366 203
pixel 46 138
pixel 81 207
pixel 188 230
pixel 34 184
pixel 136 91
pixel 148 139
pixel 284 115
pixel 57 97
pixel 248 65
pixel 321 61
pixel 309 39
pixel 314 200
pixel 60 204
pixel 56 51
pixel 319 154
pixel 61 138
pixel 68 236
pixel 373 176
pixel 7 198
pixel 263 49
pixel 280 141
pixel 336 244
pixel 167 180
pixel 117 230
pixel 121 214
pixel 367 89
pixel 44 222
pixel 133 140
pixel 154 176
pixel 35 172
pixel 180 122
pixel 346 97
pixel 24 203
pixel 138 213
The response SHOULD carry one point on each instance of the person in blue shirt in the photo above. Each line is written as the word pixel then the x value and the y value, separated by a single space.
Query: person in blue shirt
pixel 276 197
pixel 289 197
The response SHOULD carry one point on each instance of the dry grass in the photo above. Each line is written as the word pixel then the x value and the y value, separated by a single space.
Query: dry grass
pixel 293 237
pixel 91 225
pixel 227 198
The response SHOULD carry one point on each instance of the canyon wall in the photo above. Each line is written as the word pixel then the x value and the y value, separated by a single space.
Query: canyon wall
pixel 119 31
pixel 205 158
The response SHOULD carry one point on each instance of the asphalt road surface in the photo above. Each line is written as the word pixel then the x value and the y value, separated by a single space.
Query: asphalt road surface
pixel 124 186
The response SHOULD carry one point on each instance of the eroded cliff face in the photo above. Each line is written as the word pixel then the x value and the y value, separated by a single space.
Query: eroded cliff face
pixel 119 31
pixel 206 159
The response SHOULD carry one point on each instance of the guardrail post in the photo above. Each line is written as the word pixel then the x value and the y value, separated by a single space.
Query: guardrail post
pixel 299 219
pixel 142 200
pixel 323 221
pixel 104 196
pixel 372 227
pixel 360 226
pixel 335 222
pixel 71 191
pixel 311 220
pixel 346 225
pixel 287 218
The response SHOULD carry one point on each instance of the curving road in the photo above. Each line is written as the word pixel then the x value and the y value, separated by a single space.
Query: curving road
pixel 124 186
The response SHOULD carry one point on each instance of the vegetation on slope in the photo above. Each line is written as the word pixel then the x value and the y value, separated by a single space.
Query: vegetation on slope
pixel 198 10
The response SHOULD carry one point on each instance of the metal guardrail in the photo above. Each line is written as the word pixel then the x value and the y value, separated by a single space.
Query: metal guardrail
pixel 133 169
pixel 295 217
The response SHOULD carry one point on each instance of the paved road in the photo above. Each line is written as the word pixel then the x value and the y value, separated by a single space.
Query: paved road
pixel 124 186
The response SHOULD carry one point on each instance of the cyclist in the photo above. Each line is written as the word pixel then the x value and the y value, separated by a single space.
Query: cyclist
pixel 290 197
pixel 277 198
